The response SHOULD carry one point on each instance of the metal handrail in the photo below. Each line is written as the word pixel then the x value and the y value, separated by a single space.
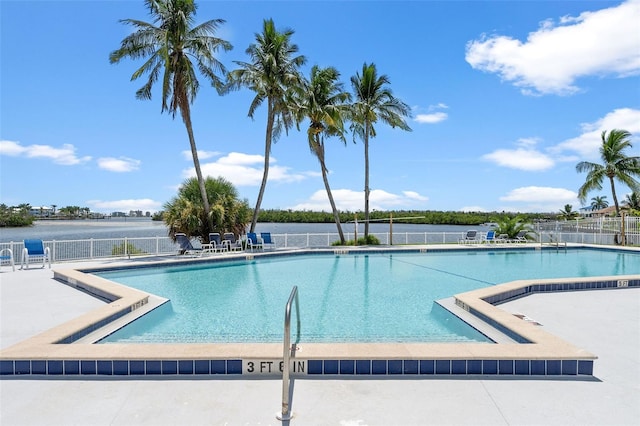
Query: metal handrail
pixel 287 350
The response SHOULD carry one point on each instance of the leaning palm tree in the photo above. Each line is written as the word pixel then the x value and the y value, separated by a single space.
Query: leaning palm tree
pixel 599 203
pixel 373 101
pixel 615 165
pixel 171 43
pixel 271 74
pixel 323 101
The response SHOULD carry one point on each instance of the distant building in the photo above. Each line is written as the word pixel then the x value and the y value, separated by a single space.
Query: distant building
pixel 43 211
pixel 118 214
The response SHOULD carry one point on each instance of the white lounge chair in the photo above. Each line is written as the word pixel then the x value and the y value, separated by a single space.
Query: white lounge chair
pixel 233 244
pixel 186 248
pixel 471 237
pixel 254 242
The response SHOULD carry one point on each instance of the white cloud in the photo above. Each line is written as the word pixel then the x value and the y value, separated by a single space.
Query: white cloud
pixel 432 118
pixel 601 43
pixel 144 204
pixel 347 199
pixel 524 157
pixel 588 143
pixel 246 170
pixel 539 199
pixel 119 165
pixel 433 114
pixel 66 155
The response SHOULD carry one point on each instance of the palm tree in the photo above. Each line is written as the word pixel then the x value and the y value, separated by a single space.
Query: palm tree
pixel 373 101
pixel 271 74
pixel 568 213
pixel 185 212
pixel 615 165
pixel 323 101
pixel 172 46
pixel 632 200
pixel 511 226
pixel 599 203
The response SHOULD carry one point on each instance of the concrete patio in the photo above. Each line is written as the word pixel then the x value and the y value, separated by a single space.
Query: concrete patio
pixel 604 322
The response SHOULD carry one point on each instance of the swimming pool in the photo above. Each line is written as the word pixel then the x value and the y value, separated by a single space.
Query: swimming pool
pixel 377 297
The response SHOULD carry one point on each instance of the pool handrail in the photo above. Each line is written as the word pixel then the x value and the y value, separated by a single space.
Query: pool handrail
pixel 286 352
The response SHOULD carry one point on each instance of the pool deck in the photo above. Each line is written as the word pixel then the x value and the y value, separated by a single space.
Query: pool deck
pixel 603 322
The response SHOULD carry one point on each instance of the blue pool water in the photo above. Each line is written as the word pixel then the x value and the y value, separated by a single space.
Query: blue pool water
pixel 382 297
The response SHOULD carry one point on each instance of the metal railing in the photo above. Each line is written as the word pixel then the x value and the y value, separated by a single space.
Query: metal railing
pixel 90 249
pixel 286 352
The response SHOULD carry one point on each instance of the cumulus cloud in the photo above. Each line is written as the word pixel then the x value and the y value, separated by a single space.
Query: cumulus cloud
pixel 433 115
pixel 347 199
pixel 119 165
pixel 587 144
pixel 65 155
pixel 144 204
pixel 551 59
pixel 246 170
pixel 524 157
pixel 539 199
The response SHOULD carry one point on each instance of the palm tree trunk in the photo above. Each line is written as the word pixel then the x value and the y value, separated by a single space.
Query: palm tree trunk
pixel 336 215
pixel 615 198
pixel 265 174
pixel 366 180
pixel 186 117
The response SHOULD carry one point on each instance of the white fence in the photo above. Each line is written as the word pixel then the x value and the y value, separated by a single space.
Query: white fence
pixel 69 250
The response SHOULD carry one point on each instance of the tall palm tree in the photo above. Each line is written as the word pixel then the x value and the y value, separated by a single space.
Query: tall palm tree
pixel 323 101
pixel 373 101
pixel 271 74
pixel 599 203
pixel 172 44
pixel 615 165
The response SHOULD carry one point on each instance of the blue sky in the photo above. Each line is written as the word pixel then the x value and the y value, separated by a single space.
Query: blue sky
pixel 506 99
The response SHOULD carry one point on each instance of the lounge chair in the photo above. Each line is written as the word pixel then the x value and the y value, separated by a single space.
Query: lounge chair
pixel 470 237
pixel 489 237
pixel 215 244
pixel 186 248
pixel 6 255
pixel 266 240
pixel 233 244
pixel 254 242
pixel 521 237
pixel 35 249
pixel 502 239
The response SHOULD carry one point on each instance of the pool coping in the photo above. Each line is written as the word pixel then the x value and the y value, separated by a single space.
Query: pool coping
pixel 546 354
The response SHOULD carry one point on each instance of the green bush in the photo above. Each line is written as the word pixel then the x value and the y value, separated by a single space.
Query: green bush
pixel 119 250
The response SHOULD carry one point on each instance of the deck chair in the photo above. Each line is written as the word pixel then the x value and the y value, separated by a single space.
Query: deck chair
pixel 254 242
pixel 215 243
pixel 266 240
pixel 233 244
pixel 502 239
pixel 470 237
pixel 6 256
pixel 489 237
pixel 35 249
pixel 186 248
pixel 521 237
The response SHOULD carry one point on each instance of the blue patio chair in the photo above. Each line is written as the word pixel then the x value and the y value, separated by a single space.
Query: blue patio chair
pixel 489 237
pixel 6 256
pixel 266 240
pixel 186 248
pixel 35 249
pixel 254 242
